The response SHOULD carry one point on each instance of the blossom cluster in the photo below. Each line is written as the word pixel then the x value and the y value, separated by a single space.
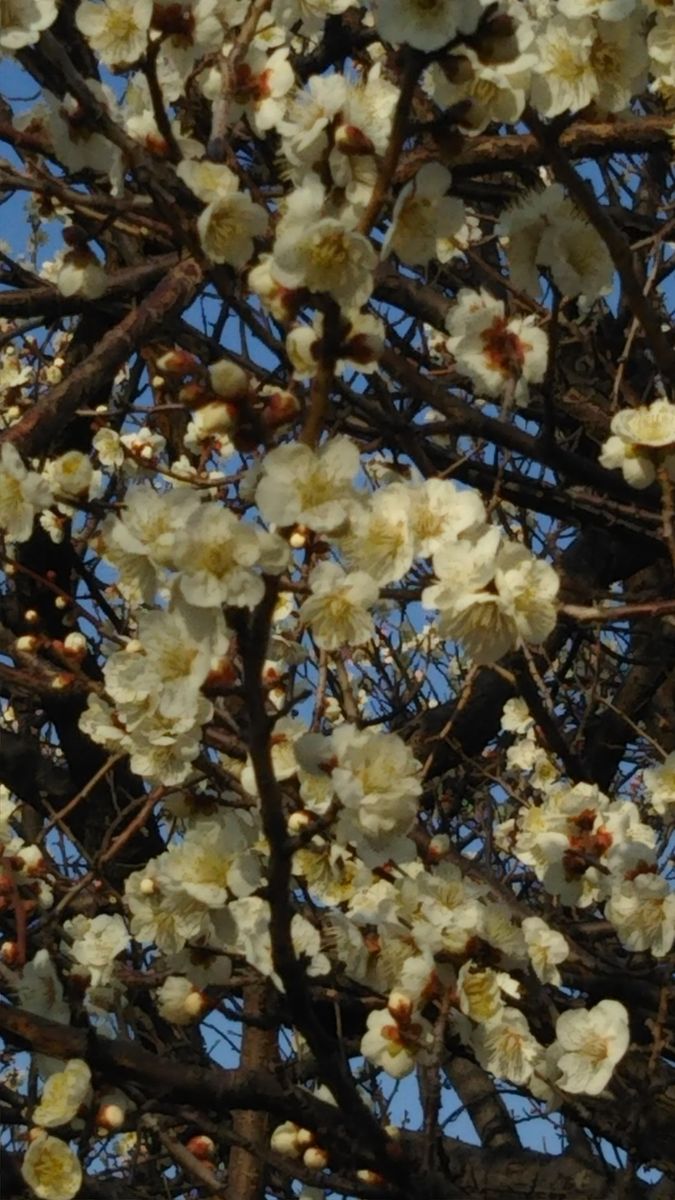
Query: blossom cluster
pixel 223 503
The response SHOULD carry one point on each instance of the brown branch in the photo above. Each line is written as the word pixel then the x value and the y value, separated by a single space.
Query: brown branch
pixel 34 432
pixel 120 1061
pixel 259 1047
pixel 470 421
pixel 489 153
pixel 48 303
pixel 476 1089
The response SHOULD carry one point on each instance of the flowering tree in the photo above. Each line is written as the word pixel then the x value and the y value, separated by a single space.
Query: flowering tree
pixel 336 512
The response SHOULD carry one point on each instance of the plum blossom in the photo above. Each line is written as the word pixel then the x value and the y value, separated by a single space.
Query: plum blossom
pixel 423 216
pixel 660 785
pixel 337 609
pixel 23 493
pixel 63 1094
pixel 506 1047
pixel 641 439
pixel 228 227
pixel 96 942
pixel 376 778
pixel 311 487
pixel 642 910
pixel 51 1169
pixel 496 352
pixel 546 948
pixel 543 229
pixel 492 594
pixel 426 26
pixel 22 22
pixel 590 1043
pixel 397 1038
pixel 117 30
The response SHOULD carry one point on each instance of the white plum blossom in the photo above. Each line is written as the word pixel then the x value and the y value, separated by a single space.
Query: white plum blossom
pixel 607 10
pixel 423 216
pixel 482 92
pixel 170 661
pixel 117 30
pixel 544 230
pixel 63 1094
pixel 23 494
pixel 164 748
pixel 287 731
pixel 380 538
pixel 215 554
pixel 143 541
pixel 642 910
pixel 659 783
pixel 22 22
pixel 309 116
pixel 590 1044
pixel 51 1169
pixel 179 1001
pixel 309 487
pixel 260 87
pixel 96 942
pixel 228 227
pixel 71 475
pixel 498 353
pixel 213 863
pixel 546 948
pixel 325 255
pixel 506 1047
pixel 40 990
pixel 579 61
pixel 81 274
pixel 440 512
pixel 641 439
pixel 311 13
pixel 426 24
pixel 337 609
pixel 376 778
pixel 491 594
pixel 251 915
pixel 397 1038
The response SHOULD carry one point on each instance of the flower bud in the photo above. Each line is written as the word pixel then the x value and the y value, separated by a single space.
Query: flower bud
pixel 28 643
pixel 177 362
pixel 202 1146
pixel 109 1117
pixel 299 821
pixel 351 140
pixel 305 1138
pixel 63 680
pixel 75 644
pixel 438 847
pixel 298 538
pixel 284 1140
pixel 368 1176
pixel 315 1158
pixel 228 379
pixel 9 953
pixel 280 408
pixel 400 1006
